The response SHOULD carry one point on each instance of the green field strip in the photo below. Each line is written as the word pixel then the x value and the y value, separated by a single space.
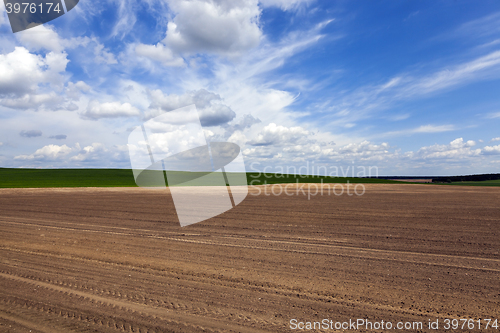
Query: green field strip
pixel 42 178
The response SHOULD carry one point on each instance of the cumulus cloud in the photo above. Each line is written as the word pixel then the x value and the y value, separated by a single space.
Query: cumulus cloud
pixel 29 81
pixel 97 110
pixel 491 150
pixel 239 138
pixel 30 134
pixel 221 26
pixel 363 147
pixel 326 152
pixel 495 139
pixel 456 149
pixel 90 153
pixel 312 149
pixel 277 135
pixel 23 71
pixel 246 122
pixel 209 105
pixel 459 153
pixel 159 53
pixel 99 154
pixel 95 154
pixel 41 37
pixel 166 103
pixel 74 90
pixel 215 115
pixel 58 137
pixel 44 37
pixel 33 101
pixel 47 153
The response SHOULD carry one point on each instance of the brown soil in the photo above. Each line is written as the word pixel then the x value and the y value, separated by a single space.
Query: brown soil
pixel 116 260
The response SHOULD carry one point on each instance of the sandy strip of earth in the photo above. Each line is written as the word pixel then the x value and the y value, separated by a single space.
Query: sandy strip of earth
pixel 116 260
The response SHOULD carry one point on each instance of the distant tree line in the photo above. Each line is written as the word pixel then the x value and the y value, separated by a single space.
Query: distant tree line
pixel 470 178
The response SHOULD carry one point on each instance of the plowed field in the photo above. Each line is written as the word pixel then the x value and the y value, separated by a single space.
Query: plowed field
pixel 116 260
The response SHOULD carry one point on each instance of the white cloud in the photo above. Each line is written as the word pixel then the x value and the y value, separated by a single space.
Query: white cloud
pixel 74 90
pixel 245 84
pixel 217 114
pixel 103 56
pixel 365 146
pixel 328 153
pixel 244 123
pixel 491 150
pixel 169 102
pixel 95 154
pixel 47 153
pixel 33 101
pixel 41 37
pixel 23 71
pixel 285 4
pixel 44 37
pixel 90 153
pixel 159 53
pixel 495 139
pixel 239 138
pixel 456 149
pixel 96 110
pixel 238 84
pixel 313 150
pixel 421 129
pixel 255 100
pixel 277 135
pixel 433 129
pixel 221 26
pixel 25 77
pixel 210 106
pixel 469 71
pixel 56 63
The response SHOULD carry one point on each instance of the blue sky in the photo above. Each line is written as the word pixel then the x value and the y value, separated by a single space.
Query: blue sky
pixel 411 88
